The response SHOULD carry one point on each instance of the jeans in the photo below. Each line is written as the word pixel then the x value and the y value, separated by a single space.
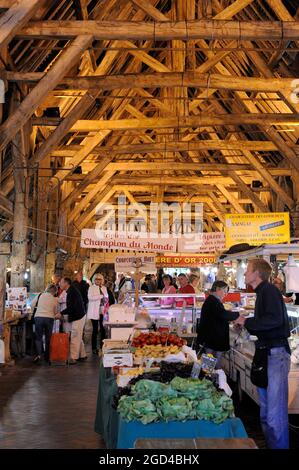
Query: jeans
pixel 43 325
pixel 274 400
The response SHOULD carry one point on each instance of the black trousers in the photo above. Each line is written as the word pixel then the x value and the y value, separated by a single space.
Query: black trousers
pixel 94 337
pixel 95 331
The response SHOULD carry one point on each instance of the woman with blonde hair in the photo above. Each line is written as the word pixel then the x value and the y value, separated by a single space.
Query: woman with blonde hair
pixel 194 280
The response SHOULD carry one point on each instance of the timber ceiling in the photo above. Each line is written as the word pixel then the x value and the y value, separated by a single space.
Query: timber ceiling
pixel 198 110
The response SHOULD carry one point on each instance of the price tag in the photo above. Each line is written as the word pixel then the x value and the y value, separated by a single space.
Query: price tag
pixel 208 363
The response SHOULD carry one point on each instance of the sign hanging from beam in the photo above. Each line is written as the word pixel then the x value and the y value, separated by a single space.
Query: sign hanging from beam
pixel 91 239
pixel 257 229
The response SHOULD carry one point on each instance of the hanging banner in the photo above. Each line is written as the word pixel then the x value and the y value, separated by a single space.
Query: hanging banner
pixel 185 261
pixel 206 242
pixel 91 239
pixel 145 263
pixel 257 229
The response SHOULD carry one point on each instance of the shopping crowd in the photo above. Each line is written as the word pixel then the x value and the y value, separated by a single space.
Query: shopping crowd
pixel 70 302
pixel 64 306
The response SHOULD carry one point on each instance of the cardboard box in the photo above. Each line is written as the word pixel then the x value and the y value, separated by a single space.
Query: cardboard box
pixel 118 359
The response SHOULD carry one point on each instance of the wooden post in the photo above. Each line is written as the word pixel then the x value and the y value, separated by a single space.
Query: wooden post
pixel 136 279
pixel 4 252
pixel 20 151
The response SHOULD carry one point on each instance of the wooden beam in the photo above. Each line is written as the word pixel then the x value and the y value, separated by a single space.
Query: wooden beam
pixel 172 146
pixel 161 31
pixel 16 17
pixel 267 175
pixel 5 4
pixel 201 120
pixel 91 177
pixel 102 197
pixel 232 9
pixel 63 64
pixel 185 166
pixel 176 180
pixel 230 198
pixel 83 204
pixel 90 143
pixel 216 211
pixel 250 194
pixel 160 80
pixel 70 119
pixel 5 204
pixel 150 10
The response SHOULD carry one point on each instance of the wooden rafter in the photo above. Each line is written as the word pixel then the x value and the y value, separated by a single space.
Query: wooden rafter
pixel 14 123
pixel 17 16
pixel 161 31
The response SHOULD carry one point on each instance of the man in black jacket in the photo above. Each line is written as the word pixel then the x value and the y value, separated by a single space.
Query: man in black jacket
pixel 75 310
pixel 271 326
pixel 82 287
pixel 213 330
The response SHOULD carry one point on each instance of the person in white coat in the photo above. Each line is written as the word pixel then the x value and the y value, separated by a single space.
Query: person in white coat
pixel 95 297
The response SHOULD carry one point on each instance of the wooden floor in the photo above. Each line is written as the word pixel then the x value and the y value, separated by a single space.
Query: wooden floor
pixel 49 407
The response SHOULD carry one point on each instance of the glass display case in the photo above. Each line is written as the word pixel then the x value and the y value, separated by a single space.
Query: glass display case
pixel 178 316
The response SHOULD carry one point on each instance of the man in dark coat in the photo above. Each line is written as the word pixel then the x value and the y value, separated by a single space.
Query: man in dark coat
pixel 213 330
pixel 82 287
pixel 270 325
pixel 76 312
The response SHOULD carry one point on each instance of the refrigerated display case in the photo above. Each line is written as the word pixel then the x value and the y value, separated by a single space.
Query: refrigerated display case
pixel 181 320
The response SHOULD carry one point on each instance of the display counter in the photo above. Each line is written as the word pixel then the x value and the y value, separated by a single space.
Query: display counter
pixel 120 434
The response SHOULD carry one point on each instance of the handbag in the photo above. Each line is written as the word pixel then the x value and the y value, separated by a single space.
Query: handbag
pixel 259 367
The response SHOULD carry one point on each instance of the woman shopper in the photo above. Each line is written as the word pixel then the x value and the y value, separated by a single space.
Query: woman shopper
pixel 213 329
pixel 167 289
pixel 95 297
pixel 46 312
pixel 106 301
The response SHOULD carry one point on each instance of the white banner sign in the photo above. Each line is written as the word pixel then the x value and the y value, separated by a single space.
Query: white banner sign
pixel 206 242
pixel 105 240
pixel 145 263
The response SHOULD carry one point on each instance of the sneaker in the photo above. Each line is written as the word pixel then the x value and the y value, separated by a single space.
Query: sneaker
pixel 36 359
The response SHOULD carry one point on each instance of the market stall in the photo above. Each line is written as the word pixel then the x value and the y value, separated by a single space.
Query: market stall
pixel 157 397
pixel 237 362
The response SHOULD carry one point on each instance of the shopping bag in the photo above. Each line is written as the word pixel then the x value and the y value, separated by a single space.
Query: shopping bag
pixel 259 368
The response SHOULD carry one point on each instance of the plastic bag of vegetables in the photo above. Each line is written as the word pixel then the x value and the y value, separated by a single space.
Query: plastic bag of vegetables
pixel 131 409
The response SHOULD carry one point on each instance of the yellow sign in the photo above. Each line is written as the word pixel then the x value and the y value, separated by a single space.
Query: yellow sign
pixel 257 229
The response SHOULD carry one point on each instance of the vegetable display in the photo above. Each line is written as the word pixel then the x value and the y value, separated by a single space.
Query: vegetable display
pixel 152 339
pixel 169 370
pixel 180 400
pixel 156 351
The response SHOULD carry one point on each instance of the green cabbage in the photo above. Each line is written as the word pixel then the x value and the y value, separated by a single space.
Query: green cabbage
pixel 181 400
pixel 131 409
pixel 175 409
pixel 152 390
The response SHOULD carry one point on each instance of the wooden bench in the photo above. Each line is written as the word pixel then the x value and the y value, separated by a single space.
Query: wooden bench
pixel 201 443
